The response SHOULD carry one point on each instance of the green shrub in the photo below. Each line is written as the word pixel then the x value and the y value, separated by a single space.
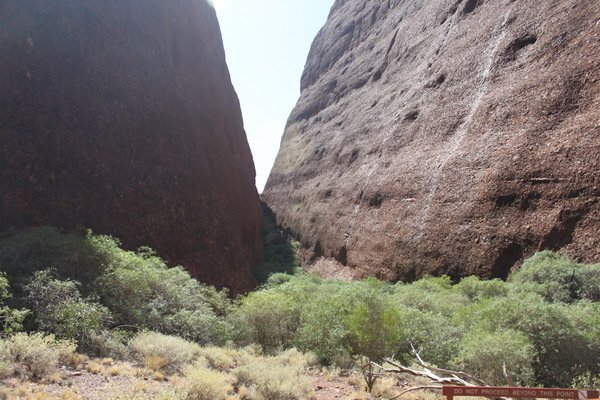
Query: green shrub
pixel 79 320
pixel 561 351
pixel 11 319
pixel 281 255
pixel 112 344
pixel 374 328
pixel 271 318
pixel 158 351
pixel 485 355
pixel 322 330
pixel 475 288
pixel 431 294
pixel 81 258
pixel 590 286
pixel 277 279
pixel 144 292
pixel 559 279
pixel 433 335
pixel 59 309
pixel 138 289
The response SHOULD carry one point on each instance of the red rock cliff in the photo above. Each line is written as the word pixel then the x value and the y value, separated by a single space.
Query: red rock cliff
pixel 120 116
pixel 446 136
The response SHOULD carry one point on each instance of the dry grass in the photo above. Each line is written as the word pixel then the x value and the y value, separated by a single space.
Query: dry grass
pixel 276 378
pixel 93 368
pixel 205 384
pixel 213 373
pixel 70 395
pixel 116 370
pixel 107 362
pixel 155 363
pixel 361 395
pixel 424 395
pixel 220 359
pixel 37 354
pixel 54 379
pixel 159 351
pixel 385 387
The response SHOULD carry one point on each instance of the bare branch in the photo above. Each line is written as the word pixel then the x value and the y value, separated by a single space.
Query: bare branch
pixel 459 375
pixel 414 389
pixel 509 380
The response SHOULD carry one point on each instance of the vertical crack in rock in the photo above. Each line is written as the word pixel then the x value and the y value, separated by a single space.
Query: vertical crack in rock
pixel 463 129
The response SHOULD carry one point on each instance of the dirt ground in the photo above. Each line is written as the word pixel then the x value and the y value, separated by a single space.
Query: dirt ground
pixel 124 381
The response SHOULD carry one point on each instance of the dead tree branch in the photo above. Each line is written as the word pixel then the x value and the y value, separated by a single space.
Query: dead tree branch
pixel 415 389
pixel 463 376
pixel 437 376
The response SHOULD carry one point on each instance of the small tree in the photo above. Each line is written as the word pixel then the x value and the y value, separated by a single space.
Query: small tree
pixel 492 356
pixel 11 320
pixel 374 327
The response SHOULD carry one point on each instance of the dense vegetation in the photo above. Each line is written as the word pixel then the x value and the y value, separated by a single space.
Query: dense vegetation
pixel 281 254
pixel 543 323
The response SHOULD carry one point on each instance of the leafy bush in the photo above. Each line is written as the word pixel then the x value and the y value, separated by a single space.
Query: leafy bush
pixel 431 294
pixel 58 308
pixel 11 319
pixel 39 354
pixel 432 334
pixel 485 355
pixel 144 292
pixel 80 320
pixel 93 283
pixel 475 288
pixel 590 286
pixel 374 331
pixel 271 319
pixel 374 328
pixel 158 351
pixel 281 255
pixel 82 258
pixel 321 329
pixel 560 279
pixel 560 350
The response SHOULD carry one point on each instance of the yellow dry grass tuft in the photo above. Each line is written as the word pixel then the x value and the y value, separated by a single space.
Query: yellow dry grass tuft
pixel 54 379
pixel 93 368
pixel 107 362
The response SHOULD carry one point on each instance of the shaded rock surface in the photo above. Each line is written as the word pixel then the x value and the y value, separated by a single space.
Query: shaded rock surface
pixel 445 136
pixel 120 116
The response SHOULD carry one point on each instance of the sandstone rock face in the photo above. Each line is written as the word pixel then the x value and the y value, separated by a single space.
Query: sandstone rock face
pixel 120 116
pixel 446 136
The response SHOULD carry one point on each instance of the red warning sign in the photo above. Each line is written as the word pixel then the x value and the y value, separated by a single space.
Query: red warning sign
pixel 523 393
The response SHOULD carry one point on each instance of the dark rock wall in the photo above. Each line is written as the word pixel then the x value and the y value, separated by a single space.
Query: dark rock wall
pixel 120 116
pixel 446 136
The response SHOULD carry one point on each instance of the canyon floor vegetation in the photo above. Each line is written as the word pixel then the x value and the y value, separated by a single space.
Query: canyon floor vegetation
pixel 80 315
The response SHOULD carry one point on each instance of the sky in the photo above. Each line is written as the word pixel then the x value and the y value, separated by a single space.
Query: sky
pixel 266 45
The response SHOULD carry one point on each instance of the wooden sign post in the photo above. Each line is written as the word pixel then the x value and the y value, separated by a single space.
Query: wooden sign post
pixel 520 393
